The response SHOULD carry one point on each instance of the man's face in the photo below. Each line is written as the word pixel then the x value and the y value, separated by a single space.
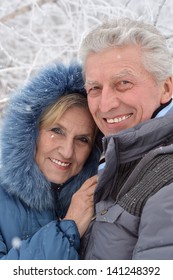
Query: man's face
pixel 121 93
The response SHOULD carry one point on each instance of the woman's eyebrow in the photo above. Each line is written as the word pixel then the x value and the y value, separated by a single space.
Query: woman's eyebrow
pixel 59 125
pixel 89 134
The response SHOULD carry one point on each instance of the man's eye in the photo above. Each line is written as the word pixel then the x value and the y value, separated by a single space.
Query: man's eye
pixel 124 82
pixel 94 91
pixel 124 85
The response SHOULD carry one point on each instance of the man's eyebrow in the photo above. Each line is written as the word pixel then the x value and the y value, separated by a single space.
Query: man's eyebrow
pixel 89 82
pixel 123 73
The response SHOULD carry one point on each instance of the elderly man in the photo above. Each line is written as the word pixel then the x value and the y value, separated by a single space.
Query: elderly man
pixel 128 77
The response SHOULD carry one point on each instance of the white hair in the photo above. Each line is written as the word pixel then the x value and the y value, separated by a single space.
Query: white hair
pixel 157 58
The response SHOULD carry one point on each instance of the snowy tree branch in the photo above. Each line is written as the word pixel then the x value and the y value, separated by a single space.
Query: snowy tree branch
pixel 36 32
pixel 23 10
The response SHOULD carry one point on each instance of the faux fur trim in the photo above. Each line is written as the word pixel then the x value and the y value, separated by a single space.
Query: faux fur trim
pixel 19 174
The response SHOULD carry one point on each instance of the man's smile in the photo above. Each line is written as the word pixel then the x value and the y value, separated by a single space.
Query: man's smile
pixel 117 119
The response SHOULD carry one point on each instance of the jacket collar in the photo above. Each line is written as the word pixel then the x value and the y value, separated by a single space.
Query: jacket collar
pixel 133 143
pixel 151 137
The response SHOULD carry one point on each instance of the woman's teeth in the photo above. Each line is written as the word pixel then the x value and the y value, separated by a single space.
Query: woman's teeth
pixel 60 162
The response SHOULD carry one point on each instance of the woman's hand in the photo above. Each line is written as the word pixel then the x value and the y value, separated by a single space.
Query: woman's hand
pixel 81 209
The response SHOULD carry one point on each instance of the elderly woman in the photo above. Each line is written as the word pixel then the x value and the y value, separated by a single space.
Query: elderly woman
pixel 48 152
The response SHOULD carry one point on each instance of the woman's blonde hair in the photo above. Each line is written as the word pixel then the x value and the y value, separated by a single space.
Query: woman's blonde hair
pixel 56 110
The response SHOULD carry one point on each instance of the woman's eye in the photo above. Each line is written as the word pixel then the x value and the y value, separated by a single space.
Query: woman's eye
pixel 57 130
pixel 83 140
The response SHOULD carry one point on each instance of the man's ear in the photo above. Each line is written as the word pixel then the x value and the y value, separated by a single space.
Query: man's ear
pixel 167 90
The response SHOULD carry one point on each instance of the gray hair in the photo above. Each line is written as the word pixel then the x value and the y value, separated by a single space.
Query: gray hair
pixel 157 58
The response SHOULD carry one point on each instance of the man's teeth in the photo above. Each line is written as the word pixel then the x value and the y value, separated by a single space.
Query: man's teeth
pixel 117 120
pixel 60 162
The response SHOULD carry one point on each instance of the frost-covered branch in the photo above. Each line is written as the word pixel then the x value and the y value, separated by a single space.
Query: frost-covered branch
pixel 22 10
pixel 36 32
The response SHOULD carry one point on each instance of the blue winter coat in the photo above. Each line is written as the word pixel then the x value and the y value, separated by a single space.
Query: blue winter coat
pixel 29 207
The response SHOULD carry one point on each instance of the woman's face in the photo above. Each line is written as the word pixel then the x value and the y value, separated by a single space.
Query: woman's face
pixel 63 148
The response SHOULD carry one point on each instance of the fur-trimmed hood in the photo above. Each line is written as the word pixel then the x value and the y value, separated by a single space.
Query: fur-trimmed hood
pixel 19 173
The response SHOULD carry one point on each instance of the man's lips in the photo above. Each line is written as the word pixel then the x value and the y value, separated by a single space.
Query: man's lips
pixel 117 119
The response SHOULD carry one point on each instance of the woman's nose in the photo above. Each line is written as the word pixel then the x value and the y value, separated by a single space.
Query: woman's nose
pixel 67 148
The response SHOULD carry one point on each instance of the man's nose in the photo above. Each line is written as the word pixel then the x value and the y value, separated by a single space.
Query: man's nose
pixel 109 99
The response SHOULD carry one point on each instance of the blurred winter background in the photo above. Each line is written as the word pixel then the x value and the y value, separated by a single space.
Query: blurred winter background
pixel 36 32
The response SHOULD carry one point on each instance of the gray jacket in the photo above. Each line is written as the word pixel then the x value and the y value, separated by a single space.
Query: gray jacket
pixel 137 223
